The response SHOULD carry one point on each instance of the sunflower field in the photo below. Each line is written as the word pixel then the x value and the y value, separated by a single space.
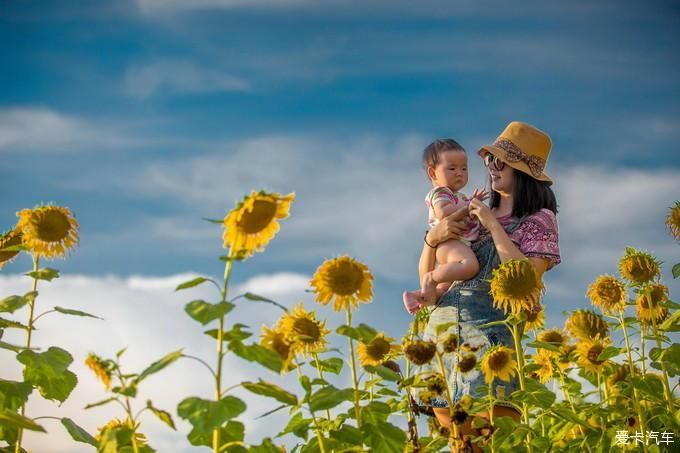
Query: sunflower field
pixel 580 389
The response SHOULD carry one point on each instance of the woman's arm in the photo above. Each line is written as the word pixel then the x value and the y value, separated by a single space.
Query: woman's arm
pixel 507 249
pixel 450 227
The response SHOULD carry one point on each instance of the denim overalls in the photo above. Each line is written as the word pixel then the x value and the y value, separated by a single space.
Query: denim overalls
pixel 470 305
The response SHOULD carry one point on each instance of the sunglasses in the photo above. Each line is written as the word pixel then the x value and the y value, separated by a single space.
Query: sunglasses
pixel 490 159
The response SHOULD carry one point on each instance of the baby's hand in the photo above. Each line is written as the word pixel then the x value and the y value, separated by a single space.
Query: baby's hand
pixel 480 194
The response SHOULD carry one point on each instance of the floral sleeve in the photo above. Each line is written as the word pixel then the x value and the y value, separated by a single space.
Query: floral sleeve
pixel 538 237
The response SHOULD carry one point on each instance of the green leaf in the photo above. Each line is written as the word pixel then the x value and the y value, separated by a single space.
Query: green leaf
pixel 569 416
pixel 129 390
pixel 19 421
pixel 676 270
pixel 47 273
pixel 101 403
pixel 348 331
pixel 362 332
pixel 332 365
pixel 348 434
pixel 383 372
pixel 77 433
pixel 9 324
pixel 544 345
pixel 12 396
pixel 12 303
pixel 441 328
pixel 267 446
pixel 231 432
pixel 375 412
pixel 383 437
pixel 205 312
pixel 236 333
pixel 257 298
pixel 297 425
pixel 305 383
pixel 158 365
pixel 329 397
pixel 162 415
pixel 11 347
pixel 265 388
pixel 207 415
pixel 191 283
pixel 672 321
pixel 48 371
pixel 535 394
pixel 68 311
pixel 608 353
pixel 256 353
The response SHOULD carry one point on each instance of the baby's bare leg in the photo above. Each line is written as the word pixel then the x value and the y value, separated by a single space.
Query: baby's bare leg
pixel 455 262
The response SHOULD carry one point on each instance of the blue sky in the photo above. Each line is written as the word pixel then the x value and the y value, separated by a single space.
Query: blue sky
pixel 144 116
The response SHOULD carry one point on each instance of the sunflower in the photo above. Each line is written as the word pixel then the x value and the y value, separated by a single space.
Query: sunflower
pixel 673 220
pixel 450 343
pixel 639 267
pixel 553 336
pixel 419 352
pixel 276 340
pixel 306 334
pixel 515 286
pixel 101 368
pixel 565 356
pixel 140 439
pixel 543 358
pixel 648 307
pixel 467 362
pixel 588 351
pixel 48 231
pixel 375 352
pixel 250 226
pixel 608 294
pixel 618 375
pixel 344 281
pixel 9 239
pixel 535 317
pixel 436 384
pixel 499 362
pixel 584 324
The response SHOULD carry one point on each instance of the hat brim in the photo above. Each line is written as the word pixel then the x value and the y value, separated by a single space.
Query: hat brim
pixel 519 165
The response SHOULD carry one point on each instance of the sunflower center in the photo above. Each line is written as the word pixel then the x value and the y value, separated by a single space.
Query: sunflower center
pixel 552 337
pixel 307 329
pixel 258 218
pixel 52 226
pixel 280 345
pixel 593 353
pixel 346 279
pixel 378 348
pixel 467 363
pixel 498 360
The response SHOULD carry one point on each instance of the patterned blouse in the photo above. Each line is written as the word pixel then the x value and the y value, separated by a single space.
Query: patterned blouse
pixel 537 236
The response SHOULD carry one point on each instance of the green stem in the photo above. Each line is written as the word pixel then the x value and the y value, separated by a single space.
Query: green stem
pixel 131 423
pixel 320 373
pixel 357 410
pixel 491 404
pixel 29 335
pixel 220 351
pixel 516 335
pixel 631 366
pixel 319 436
pixel 666 386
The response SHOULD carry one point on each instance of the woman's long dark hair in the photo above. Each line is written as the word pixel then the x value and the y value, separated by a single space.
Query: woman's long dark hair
pixel 529 195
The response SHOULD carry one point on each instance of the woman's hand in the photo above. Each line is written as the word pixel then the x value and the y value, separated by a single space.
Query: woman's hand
pixel 450 227
pixel 482 212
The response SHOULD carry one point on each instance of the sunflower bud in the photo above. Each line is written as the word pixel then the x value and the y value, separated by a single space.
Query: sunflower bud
pixel 420 352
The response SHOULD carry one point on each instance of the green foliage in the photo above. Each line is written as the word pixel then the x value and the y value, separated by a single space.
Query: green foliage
pixel 68 311
pixel 271 390
pixel 206 415
pixel 77 433
pixel 205 312
pixel 47 274
pixel 256 353
pixel 48 372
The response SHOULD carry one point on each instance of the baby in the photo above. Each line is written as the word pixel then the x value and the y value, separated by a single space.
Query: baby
pixel 445 163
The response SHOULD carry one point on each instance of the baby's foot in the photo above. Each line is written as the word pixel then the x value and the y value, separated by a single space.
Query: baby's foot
pixel 429 289
pixel 412 301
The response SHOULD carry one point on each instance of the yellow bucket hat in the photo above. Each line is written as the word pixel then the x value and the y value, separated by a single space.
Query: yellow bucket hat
pixel 524 148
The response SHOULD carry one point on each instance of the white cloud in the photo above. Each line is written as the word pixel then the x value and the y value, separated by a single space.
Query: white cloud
pixel 45 130
pixel 145 315
pixel 179 77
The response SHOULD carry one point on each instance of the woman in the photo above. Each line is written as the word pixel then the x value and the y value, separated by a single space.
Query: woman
pixel 520 223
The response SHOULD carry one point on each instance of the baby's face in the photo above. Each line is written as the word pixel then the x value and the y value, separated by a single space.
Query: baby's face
pixel 451 171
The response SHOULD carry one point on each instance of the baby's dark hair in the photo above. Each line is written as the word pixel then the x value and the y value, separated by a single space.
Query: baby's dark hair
pixel 435 149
